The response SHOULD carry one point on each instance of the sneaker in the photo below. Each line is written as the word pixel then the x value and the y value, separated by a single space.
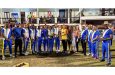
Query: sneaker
pixel 3 58
pixel 108 64
pixel 71 52
pixel 11 56
pixel 102 60
pixel 88 54
pixel 22 55
pixel 92 55
pixel 57 51
pixel 96 57
pixel 26 53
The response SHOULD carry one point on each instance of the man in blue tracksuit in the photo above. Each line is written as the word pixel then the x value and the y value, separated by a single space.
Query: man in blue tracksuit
pixel 17 32
pixel 84 35
pixel 25 34
pixel 106 44
pixel 95 42
pixel 33 33
pixel 39 39
pixel 7 35
pixel 45 38
pixel 57 39
pixel 89 39
pixel 50 39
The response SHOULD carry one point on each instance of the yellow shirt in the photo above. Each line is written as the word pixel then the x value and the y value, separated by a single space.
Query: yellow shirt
pixel 63 34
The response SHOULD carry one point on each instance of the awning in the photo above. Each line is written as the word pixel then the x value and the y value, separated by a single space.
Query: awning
pixel 98 18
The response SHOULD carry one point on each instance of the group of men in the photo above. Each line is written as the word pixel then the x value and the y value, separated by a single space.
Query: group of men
pixel 50 36
pixel 95 37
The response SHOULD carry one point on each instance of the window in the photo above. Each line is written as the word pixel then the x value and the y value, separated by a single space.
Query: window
pixel 47 15
pixel 74 16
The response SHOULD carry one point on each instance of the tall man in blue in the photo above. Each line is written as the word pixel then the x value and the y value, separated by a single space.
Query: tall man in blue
pixel 106 44
pixel 17 32
pixel 57 39
pixel 45 38
pixel 84 35
pixel 7 35
pixel 89 39
pixel 95 42
pixel 25 34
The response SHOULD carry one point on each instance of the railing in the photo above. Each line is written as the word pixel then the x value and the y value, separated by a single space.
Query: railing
pixel 75 20
pixel 42 20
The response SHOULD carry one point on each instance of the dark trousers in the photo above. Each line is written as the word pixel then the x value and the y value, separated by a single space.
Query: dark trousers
pixel 77 42
pixel 64 43
pixel 69 43
pixel 18 43
pixel 83 43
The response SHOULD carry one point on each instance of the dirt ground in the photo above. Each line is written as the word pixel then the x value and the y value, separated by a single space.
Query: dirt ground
pixel 53 60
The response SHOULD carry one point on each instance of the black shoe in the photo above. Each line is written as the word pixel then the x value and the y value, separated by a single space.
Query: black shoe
pixel 84 54
pixel 102 60
pixel 15 56
pixel 33 52
pixel 108 64
pixel 22 55
pixel 71 52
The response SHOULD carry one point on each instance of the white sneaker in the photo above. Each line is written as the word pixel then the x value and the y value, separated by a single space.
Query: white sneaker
pixel 26 53
pixel 10 55
pixel 92 55
pixel 3 58
pixel 88 54
pixel 57 51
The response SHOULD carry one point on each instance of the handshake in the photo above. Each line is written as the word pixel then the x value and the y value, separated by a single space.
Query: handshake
pixel 104 39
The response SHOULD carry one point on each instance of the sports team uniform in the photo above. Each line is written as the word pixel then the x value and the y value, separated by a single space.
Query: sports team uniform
pixel 106 44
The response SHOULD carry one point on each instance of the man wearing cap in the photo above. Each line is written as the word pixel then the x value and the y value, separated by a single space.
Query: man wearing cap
pixel 7 35
pixel 17 32
pixel 84 35
pixel 106 44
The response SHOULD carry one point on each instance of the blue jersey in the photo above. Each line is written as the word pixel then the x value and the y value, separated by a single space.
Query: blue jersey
pixel 95 34
pixel 7 32
pixel 84 34
pixel 44 33
pixel 89 35
pixel 107 34
pixel 17 32
pixel 25 32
